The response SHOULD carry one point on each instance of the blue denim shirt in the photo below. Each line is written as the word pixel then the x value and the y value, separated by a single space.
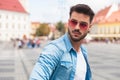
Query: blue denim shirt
pixel 57 61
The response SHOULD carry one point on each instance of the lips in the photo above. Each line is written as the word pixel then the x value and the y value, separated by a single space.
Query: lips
pixel 76 34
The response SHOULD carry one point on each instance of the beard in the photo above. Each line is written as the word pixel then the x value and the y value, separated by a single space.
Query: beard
pixel 77 39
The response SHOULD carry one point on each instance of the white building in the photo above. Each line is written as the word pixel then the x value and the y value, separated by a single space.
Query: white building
pixel 14 20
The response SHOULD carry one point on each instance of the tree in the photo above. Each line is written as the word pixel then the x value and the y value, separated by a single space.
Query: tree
pixel 43 30
pixel 60 27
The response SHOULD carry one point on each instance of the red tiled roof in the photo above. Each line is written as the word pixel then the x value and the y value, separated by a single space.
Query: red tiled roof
pixel 114 17
pixel 100 16
pixel 12 5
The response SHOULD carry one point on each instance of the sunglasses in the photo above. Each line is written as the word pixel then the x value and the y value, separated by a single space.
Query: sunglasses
pixel 82 25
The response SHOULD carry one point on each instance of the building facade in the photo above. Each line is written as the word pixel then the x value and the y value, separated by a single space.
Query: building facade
pixel 106 23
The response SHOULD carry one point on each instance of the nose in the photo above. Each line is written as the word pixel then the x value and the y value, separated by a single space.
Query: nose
pixel 77 26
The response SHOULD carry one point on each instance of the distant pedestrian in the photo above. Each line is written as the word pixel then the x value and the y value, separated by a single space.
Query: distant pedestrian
pixel 65 58
pixel 38 42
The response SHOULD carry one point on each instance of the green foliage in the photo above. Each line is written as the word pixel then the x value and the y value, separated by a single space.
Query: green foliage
pixel 60 27
pixel 43 30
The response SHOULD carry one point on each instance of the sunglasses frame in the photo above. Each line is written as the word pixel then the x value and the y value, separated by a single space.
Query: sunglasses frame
pixel 83 25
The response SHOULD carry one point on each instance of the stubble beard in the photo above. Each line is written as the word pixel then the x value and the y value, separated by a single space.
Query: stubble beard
pixel 77 39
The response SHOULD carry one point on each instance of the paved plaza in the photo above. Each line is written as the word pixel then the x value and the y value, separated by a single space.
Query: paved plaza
pixel 104 60
pixel 16 64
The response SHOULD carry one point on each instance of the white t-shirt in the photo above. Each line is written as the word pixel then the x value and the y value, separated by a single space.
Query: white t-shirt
pixel 80 67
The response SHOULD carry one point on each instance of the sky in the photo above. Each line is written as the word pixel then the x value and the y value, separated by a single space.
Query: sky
pixel 52 11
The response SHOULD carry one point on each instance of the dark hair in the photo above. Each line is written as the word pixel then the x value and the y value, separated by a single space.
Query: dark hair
pixel 82 8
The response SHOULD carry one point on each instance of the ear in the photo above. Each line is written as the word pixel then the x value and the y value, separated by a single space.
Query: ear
pixel 90 26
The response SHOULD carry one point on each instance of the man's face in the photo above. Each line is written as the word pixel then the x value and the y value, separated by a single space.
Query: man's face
pixel 79 25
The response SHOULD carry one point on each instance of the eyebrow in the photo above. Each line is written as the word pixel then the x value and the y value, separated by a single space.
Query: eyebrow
pixel 79 21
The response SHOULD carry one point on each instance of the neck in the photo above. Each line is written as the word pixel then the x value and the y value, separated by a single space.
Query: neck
pixel 76 45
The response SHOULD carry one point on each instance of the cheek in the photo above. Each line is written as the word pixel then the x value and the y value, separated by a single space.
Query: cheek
pixel 85 30
pixel 70 28
pixel 70 31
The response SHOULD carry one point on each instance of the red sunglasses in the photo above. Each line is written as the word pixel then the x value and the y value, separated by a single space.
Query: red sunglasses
pixel 82 25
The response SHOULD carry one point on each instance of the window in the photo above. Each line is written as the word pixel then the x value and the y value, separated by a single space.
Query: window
pixel 13 26
pixel 6 25
pixel 6 16
pixel 0 16
pixel 0 25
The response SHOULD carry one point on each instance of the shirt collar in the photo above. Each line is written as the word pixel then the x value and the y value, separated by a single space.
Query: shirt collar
pixel 68 42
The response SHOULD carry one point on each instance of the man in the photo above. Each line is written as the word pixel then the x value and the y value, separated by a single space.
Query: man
pixel 66 58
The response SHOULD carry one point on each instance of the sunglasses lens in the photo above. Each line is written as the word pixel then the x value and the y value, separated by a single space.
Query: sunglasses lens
pixel 73 23
pixel 83 25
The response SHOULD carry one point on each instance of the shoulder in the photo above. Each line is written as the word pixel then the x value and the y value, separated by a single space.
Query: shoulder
pixel 56 47
pixel 53 49
pixel 59 43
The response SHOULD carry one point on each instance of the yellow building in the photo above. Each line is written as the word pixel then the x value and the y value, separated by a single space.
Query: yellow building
pixel 34 26
pixel 106 23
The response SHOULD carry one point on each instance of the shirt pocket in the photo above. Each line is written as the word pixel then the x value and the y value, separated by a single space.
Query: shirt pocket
pixel 63 69
pixel 66 61
pixel 66 64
